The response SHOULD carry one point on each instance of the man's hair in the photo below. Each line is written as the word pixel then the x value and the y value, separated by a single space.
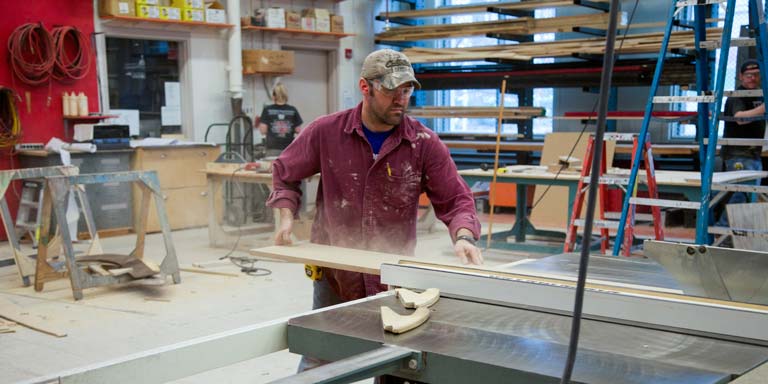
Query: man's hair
pixel 280 94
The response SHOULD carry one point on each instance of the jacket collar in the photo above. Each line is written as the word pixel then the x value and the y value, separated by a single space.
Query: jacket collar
pixel 405 130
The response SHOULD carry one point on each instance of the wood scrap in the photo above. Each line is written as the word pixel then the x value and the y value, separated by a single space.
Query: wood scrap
pixel 519 26
pixel 396 323
pixel 208 272
pixel 118 264
pixel 120 271
pixel 7 326
pixel 565 164
pixel 98 269
pixel 26 318
pixel 157 299
pixel 634 43
pixel 411 299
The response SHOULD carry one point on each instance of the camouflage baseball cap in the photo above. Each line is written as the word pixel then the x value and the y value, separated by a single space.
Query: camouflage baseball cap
pixel 391 67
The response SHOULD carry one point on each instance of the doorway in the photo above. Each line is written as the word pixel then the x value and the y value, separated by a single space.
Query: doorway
pixel 308 85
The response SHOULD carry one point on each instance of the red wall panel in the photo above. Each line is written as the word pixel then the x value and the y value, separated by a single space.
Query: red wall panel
pixel 39 121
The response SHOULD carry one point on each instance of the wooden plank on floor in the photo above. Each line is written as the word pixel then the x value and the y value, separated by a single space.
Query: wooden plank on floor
pixel 26 318
pixel 331 257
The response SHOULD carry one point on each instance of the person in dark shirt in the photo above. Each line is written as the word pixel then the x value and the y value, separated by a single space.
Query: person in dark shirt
pixel 740 158
pixel 279 122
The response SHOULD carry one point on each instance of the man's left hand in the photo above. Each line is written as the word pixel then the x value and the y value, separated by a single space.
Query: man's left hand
pixel 467 252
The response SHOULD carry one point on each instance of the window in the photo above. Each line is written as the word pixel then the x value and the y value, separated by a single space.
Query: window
pixel 140 72
pixel 741 18
pixel 487 97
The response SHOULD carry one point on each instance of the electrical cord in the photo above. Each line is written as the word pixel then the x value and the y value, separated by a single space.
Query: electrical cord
pixel 594 108
pixel 31 53
pixel 605 84
pixel 246 264
pixel 10 124
pixel 75 65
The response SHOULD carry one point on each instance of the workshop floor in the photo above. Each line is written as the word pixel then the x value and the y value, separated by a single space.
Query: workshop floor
pixel 116 321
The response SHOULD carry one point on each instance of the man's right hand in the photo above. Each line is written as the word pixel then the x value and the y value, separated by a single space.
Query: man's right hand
pixel 283 233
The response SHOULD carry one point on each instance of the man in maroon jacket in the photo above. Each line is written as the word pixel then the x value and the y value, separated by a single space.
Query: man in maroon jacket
pixel 374 162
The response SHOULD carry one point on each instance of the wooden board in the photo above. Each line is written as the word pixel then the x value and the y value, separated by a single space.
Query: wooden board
pixel 529 5
pixel 25 317
pixel 332 257
pixel 634 43
pixel 552 210
pixel 518 26
pixel 749 216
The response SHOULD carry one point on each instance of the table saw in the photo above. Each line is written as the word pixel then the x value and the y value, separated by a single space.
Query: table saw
pixel 504 327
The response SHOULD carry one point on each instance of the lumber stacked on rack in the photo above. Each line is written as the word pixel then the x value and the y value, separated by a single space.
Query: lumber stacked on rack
pixel 476 112
pixel 520 26
pixel 524 5
pixel 637 43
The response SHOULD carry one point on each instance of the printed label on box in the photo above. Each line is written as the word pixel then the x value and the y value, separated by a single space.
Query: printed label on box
pixel 124 8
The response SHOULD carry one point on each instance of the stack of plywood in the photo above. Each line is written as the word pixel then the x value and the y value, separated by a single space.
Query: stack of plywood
pixel 636 43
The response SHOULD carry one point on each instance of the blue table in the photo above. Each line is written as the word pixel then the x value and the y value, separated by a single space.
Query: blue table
pixel 685 183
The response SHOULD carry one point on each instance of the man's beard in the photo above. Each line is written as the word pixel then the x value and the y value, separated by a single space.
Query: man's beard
pixel 390 118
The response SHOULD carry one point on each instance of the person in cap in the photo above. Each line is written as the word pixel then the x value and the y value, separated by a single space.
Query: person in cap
pixel 374 162
pixel 279 122
pixel 737 158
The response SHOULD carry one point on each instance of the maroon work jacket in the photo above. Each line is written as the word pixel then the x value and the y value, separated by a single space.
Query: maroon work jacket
pixel 367 204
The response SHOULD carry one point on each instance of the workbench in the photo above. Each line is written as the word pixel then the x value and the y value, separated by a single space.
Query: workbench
pixel 686 183
pixel 216 176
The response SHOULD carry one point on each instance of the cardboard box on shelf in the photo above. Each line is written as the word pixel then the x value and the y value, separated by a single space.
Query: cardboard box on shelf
pixel 215 13
pixel 274 18
pixel 189 14
pixel 259 18
pixel 148 11
pixel 197 4
pixel 292 20
pixel 267 61
pixel 337 23
pixel 117 8
pixel 322 18
pixel 170 13
pixel 308 23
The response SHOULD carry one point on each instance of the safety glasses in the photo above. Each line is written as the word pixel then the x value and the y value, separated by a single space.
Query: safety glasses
pixel 404 91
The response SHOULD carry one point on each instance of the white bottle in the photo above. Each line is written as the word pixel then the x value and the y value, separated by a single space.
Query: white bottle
pixel 65 104
pixel 82 104
pixel 72 105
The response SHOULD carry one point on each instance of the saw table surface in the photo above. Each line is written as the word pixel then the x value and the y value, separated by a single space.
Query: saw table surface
pixel 476 342
pixel 610 269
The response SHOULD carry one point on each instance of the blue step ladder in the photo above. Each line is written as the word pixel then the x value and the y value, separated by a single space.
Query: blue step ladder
pixel 704 99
